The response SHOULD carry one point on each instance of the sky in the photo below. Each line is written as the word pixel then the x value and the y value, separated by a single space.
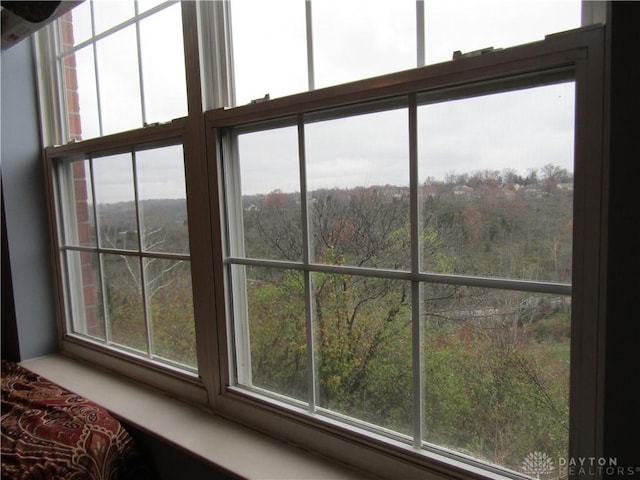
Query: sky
pixel 352 39
pixel 355 39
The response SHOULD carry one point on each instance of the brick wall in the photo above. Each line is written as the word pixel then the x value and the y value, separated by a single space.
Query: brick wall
pixel 90 287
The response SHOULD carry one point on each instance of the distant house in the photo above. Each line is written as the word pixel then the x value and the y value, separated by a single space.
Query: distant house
pixel 532 191
pixel 463 191
pixel 506 194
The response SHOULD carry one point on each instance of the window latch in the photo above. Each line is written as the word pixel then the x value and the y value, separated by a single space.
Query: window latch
pixel 475 53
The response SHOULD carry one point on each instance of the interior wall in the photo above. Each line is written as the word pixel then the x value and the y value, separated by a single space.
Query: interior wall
pixel 25 206
pixel 10 346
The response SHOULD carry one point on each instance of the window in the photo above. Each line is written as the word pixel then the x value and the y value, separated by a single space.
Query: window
pixel 114 57
pixel 307 45
pixel 125 253
pixel 433 305
pixel 400 272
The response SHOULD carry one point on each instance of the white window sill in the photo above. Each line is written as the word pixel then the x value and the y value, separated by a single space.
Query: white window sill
pixel 223 443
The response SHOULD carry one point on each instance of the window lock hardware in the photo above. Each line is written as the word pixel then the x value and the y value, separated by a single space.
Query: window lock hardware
pixel 475 53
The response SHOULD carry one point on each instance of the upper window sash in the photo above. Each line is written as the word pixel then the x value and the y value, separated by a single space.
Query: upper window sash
pixel 93 37
pixel 98 85
pixel 306 46
pixel 217 59
pixel 548 61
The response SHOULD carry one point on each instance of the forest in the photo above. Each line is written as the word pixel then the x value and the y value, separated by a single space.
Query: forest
pixel 494 362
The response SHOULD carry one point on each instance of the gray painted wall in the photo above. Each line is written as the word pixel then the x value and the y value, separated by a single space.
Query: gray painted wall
pixel 25 205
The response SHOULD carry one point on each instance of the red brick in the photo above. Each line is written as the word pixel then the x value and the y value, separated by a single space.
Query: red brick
pixel 80 188
pixel 66 27
pixel 79 171
pixel 75 125
pixel 82 212
pixel 70 78
pixel 87 274
pixel 70 61
pixel 73 101
pixel 84 233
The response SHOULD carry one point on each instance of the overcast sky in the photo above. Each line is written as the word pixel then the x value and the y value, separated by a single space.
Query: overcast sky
pixel 355 39
pixel 352 39
pixel 519 130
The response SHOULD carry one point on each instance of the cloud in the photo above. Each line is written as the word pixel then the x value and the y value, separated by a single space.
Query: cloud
pixel 520 130
pixel 352 39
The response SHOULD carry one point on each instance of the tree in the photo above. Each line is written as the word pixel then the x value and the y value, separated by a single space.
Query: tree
pixel 166 297
pixel 495 371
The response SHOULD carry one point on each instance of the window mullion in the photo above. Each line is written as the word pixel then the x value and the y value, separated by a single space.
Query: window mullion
pixel 216 59
pixel 310 60
pixel 98 99
pixel 308 281
pixel 420 38
pixel 143 109
pixel 416 297
pixel 240 307
pixel 140 259
pixel 94 47
pixel 115 29
pixel 67 230
pixel 103 293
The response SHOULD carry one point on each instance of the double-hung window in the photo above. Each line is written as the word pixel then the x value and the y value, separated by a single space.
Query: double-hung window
pixel 399 254
pixel 400 272
pixel 124 250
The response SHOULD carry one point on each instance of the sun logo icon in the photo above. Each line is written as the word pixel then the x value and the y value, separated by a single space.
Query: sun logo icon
pixel 538 463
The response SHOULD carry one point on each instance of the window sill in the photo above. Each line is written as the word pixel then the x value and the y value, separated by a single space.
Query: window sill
pixel 220 442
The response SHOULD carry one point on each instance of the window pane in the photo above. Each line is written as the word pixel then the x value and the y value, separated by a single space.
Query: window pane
pixel 78 21
pixel 358 179
pixel 170 304
pixel 363 348
pixel 270 184
pixel 467 25
pixel 165 91
pixel 144 5
pixel 78 217
pixel 119 81
pixel 162 195
pixel 496 366
pixel 82 100
pixel 85 294
pixel 269 49
pixel 111 13
pixel 496 176
pixel 276 338
pixel 360 39
pixel 115 199
pixel 125 310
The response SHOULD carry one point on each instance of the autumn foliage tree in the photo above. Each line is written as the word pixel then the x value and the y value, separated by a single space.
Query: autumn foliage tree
pixel 495 363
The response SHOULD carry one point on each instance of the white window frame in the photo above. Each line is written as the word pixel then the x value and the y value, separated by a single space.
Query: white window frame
pixel 181 380
pixel 50 55
pixel 577 54
pixel 187 131
pixel 208 59
pixel 309 47
pixel 61 164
